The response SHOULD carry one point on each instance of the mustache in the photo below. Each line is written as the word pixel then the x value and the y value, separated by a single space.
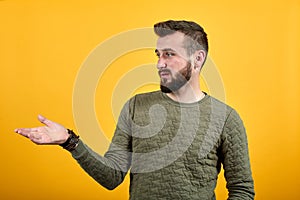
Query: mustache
pixel 164 71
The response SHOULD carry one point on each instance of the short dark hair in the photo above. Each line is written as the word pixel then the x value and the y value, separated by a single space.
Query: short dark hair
pixel 197 38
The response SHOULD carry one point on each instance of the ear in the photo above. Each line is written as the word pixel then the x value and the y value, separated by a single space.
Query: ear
pixel 199 58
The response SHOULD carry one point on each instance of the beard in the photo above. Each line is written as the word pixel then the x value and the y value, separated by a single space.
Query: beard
pixel 180 79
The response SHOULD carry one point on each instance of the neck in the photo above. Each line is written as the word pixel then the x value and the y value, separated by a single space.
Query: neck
pixel 189 93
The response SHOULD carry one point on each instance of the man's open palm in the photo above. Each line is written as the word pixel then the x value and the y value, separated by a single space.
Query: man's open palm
pixel 51 133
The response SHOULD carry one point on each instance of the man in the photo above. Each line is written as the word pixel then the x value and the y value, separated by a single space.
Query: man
pixel 174 140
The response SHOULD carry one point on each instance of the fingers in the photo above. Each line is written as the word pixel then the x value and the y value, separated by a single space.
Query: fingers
pixel 32 133
pixel 27 131
pixel 23 131
pixel 44 120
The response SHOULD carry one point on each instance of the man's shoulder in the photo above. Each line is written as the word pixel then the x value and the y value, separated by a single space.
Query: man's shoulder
pixel 219 106
pixel 145 98
pixel 224 108
pixel 148 95
pixel 218 103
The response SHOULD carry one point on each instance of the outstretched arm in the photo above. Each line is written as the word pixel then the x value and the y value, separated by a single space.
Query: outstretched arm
pixel 51 133
pixel 108 170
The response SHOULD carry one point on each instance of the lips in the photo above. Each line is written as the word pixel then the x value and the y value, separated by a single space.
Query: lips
pixel 164 73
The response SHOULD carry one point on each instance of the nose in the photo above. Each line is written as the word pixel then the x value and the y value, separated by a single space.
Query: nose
pixel 161 63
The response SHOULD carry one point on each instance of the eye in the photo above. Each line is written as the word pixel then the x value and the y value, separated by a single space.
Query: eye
pixel 157 53
pixel 169 54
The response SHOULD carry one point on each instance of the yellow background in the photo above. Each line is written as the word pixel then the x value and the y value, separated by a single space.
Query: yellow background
pixel 254 44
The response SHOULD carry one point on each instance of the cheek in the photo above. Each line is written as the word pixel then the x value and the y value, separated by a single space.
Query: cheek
pixel 177 65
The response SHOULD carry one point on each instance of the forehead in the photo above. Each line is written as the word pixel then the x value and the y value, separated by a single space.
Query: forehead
pixel 173 41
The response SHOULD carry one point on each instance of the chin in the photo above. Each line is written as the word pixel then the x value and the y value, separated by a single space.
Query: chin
pixel 165 89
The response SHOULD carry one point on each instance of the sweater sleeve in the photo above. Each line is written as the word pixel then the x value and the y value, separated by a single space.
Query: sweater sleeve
pixel 109 170
pixel 236 161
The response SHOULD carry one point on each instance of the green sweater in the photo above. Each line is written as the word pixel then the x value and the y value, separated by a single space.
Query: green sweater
pixel 173 150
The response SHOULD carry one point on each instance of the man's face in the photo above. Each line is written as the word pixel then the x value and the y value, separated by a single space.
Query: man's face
pixel 174 66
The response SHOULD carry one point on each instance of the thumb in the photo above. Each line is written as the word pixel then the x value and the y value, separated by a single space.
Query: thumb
pixel 44 120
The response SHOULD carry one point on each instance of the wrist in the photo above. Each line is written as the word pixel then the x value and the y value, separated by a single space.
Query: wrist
pixel 71 142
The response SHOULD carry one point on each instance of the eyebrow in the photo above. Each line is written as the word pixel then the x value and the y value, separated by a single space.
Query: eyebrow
pixel 166 49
